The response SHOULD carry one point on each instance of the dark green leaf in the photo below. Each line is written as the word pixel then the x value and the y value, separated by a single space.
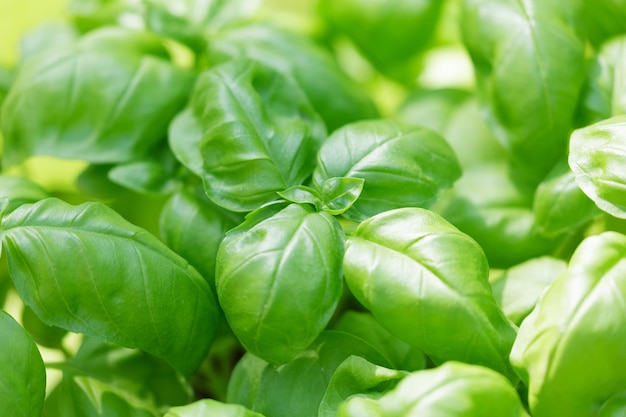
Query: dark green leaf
pixel 604 19
pixel 194 227
pixel 339 194
pixel 296 388
pixel 336 97
pixel 57 105
pixel 598 159
pixel 118 285
pixel 204 408
pixel 400 354
pixel 259 134
pixel 390 34
pixel 568 348
pixel 402 165
pixel 22 373
pixel 518 289
pixel 529 95
pixel 454 389
pixel 279 281
pixel 357 376
pixel 48 336
pixel 426 283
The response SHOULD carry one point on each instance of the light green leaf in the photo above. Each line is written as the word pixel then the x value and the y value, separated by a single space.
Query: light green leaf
pixel 20 190
pixel 334 95
pixel 567 350
pixel 259 134
pixel 529 96
pixel 116 286
pixel 402 165
pixel 597 158
pixel 208 407
pixel 279 280
pixel 301 194
pixel 22 373
pixel 58 107
pixel 453 389
pixel 339 194
pixel 154 175
pixel 426 283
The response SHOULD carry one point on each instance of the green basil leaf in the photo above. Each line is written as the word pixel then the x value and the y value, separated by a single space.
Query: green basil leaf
pixel 280 391
pixel 604 95
pixel 194 227
pixel 139 374
pixel 94 182
pixel 47 36
pixel 192 21
pixel 83 396
pixel 210 407
pixel 425 282
pixel 614 407
pixel 22 373
pixel 279 281
pixel 118 286
pixel 20 190
pixel 518 50
pixel 400 354
pixel 301 194
pixel 568 347
pixel 402 165
pixel 456 116
pixel 389 34
pixel 603 19
pixel 453 389
pixel 492 205
pixel 259 134
pixel 153 175
pixel 57 105
pixel 519 288
pixel 339 194
pixel 597 158
pixel 48 336
pixel 88 15
pixel 335 96
pixel 357 376
pixel 560 205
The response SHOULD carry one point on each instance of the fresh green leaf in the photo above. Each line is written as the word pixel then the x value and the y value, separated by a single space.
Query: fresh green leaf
pixel 529 96
pixel 425 282
pixel 453 389
pixel 597 158
pixel 48 336
pixel 567 349
pixel 279 281
pixel 336 97
pixel 22 373
pixel 389 33
pixel 194 227
pixel 88 15
pixel 57 105
pixel 357 376
pixel 279 391
pixel 560 205
pixel 402 165
pixel 19 190
pixel 604 19
pixel 45 37
pixel 117 286
pixel 519 288
pixel 339 194
pixel 259 134
pixel 301 194
pixel 400 354
pixel 210 407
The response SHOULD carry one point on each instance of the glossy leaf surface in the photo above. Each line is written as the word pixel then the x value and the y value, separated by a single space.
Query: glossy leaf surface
pixel 518 49
pixel 402 165
pixel 597 158
pixel 425 281
pixel 259 134
pixel 57 105
pixel 22 372
pixel 279 280
pixel 567 349
pixel 118 286
pixel 210 407
pixel 454 389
